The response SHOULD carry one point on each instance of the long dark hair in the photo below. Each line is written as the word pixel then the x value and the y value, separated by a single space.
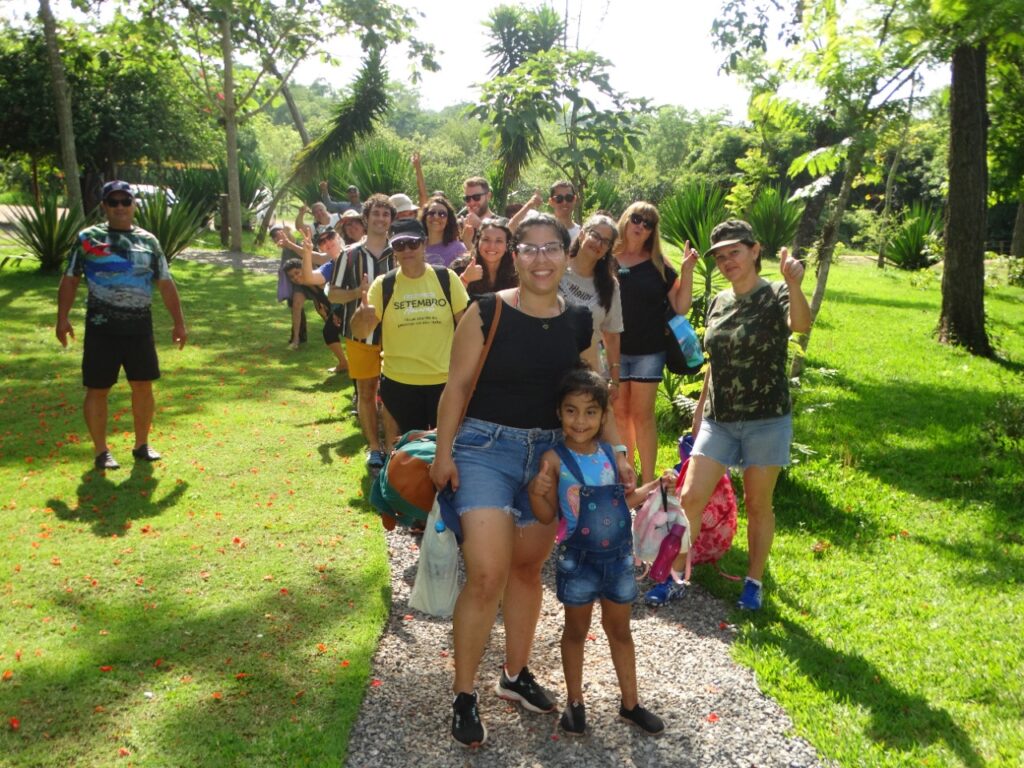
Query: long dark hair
pixel 451 225
pixel 505 277
pixel 604 269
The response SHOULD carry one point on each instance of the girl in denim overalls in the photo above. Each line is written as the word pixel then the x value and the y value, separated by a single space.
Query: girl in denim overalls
pixel 578 481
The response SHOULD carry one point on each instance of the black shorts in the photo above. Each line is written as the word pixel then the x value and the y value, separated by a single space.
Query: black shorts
pixel 104 355
pixel 413 406
pixel 332 331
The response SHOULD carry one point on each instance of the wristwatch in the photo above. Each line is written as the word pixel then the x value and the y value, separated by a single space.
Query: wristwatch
pixel 619 449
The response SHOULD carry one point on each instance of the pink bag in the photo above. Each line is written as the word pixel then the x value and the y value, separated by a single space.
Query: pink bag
pixel 718 524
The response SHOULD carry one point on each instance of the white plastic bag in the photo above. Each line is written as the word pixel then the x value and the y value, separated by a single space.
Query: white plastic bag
pixel 437 575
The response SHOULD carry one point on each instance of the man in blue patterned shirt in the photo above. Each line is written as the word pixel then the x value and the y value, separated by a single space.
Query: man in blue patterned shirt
pixel 120 262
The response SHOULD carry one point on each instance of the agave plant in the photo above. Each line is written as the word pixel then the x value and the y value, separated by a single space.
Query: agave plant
pixel 175 227
pixel 912 246
pixel 197 187
pixel 774 219
pixel 604 195
pixel 379 167
pixel 691 214
pixel 47 232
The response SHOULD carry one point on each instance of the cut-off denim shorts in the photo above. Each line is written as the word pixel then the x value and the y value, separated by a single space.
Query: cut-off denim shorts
pixel 642 367
pixel 496 464
pixel 582 577
pixel 754 443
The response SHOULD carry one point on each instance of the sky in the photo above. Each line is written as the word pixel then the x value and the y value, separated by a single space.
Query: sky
pixel 659 49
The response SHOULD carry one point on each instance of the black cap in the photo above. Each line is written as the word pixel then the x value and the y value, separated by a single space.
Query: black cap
pixel 406 229
pixel 116 186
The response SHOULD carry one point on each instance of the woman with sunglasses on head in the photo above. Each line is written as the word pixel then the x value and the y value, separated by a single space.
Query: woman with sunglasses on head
pixel 647 285
pixel 489 460
pixel 744 415
pixel 589 281
pixel 489 266
pixel 442 228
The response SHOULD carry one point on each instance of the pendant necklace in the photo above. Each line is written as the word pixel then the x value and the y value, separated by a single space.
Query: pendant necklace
pixel 543 320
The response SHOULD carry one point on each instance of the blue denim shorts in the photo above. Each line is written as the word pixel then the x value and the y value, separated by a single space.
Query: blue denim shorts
pixel 754 443
pixel 642 367
pixel 496 464
pixel 583 577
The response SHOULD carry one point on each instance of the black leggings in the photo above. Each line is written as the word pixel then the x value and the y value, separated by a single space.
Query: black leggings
pixel 412 406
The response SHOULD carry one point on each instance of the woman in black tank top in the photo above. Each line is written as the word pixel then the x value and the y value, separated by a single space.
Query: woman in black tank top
pixel 490 459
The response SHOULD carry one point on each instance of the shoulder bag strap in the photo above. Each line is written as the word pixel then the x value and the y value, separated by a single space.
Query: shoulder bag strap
pixel 483 357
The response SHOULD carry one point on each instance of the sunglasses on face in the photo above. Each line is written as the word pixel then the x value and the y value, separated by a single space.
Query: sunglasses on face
pixel 406 245
pixel 567 198
pixel 439 214
pixel 530 251
pixel 648 224
pixel 475 198
pixel 114 202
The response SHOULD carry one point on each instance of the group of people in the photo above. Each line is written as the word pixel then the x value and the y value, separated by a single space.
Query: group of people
pixel 536 354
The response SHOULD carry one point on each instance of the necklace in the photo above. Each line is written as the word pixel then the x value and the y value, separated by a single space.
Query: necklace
pixel 544 321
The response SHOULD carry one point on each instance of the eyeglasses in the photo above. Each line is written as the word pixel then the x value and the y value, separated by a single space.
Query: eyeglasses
pixel 439 214
pixel 475 198
pixel 406 244
pixel 530 251
pixel 603 241
pixel 649 224
pixel 124 202
pixel 564 198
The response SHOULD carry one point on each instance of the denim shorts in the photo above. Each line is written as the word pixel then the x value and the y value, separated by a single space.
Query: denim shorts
pixel 754 443
pixel 642 367
pixel 496 464
pixel 583 577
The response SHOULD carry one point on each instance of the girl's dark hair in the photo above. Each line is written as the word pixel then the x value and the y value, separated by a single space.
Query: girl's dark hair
pixel 451 226
pixel 604 269
pixel 505 277
pixel 583 380
pixel 539 220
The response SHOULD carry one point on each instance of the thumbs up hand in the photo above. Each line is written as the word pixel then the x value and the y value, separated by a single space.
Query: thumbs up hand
pixel 473 272
pixel 792 269
pixel 544 481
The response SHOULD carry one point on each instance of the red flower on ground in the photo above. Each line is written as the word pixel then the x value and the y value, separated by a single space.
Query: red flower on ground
pixel 15 723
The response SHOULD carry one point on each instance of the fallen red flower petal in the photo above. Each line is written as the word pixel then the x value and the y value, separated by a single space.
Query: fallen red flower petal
pixel 8 674
pixel 241 675
pixel 106 668
pixel 375 683
pixel 344 663
pixel 284 590
pixel 123 751
pixel 15 723
pixel 217 695
pixel 321 648
pixel 713 718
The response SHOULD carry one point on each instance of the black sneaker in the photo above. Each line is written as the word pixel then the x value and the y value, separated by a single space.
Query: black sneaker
pixel 466 726
pixel 646 721
pixel 574 719
pixel 145 453
pixel 105 460
pixel 526 691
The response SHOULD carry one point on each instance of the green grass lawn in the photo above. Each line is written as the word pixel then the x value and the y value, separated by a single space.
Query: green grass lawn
pixel 225 602
pixel 222 604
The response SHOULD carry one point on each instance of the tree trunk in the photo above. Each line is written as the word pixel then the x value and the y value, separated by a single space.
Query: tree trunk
pixel 1017 244
pixel 62 103
pixel 808 223
pixel 827 245
pixel 300 125
pixel 890 184
pixel 231 134
pixel 962 319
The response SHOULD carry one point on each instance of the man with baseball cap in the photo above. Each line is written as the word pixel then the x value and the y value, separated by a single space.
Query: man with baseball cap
pixel 120 263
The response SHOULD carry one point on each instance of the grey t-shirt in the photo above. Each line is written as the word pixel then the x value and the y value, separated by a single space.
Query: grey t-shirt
pixel 582 292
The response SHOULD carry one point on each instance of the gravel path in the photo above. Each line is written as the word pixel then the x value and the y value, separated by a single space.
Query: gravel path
pixel 714 712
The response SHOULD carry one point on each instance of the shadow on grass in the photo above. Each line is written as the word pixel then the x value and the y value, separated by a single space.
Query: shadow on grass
pixel 846 297
pixel 98 494
pixel 242 709
pixel 899 720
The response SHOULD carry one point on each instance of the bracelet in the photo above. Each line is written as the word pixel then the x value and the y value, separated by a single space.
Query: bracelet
pixel 614 365
pixel 619 449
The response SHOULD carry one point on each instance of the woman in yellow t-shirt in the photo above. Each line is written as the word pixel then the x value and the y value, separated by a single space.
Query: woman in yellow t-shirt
pixel 419 317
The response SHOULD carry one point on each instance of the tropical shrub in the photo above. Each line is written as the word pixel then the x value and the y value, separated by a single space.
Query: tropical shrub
pixel 691 214
pixel 47 232
pixel 604 195
pixel 915 244
pixel 774 219
pixel 175 227
pixel 197 187
pixel 380 167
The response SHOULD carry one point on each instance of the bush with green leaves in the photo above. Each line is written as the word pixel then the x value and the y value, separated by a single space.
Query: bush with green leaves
pixel 915 244
pixel 197 187
pixel 774 219
pixel 175 227
pixel 47 232
pixel 691 214
pixel 380 167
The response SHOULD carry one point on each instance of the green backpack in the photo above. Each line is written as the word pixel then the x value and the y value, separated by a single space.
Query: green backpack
pixel 403 492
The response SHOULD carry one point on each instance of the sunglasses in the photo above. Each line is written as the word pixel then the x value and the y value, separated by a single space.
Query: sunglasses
pixel 124 202
pixel 569 198
pixel 648 224
pixel 440 214
pixel 406 244
pixel 475 198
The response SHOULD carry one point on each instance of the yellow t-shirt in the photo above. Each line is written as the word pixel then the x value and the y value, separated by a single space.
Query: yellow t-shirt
pixel 417 326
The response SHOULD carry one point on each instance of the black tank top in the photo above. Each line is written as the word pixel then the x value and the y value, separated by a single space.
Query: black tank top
pixel 530 355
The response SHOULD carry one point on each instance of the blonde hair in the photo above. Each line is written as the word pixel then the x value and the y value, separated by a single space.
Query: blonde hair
pixel 653 243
